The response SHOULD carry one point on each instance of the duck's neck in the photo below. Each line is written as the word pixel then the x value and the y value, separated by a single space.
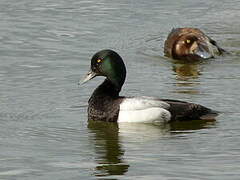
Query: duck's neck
pixel 107 88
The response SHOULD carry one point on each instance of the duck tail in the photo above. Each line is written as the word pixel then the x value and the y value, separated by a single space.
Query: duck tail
pixel 220 50
pixel 210 115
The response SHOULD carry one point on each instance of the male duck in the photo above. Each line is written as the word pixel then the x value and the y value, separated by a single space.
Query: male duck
pixel 190 44
pixel 105 103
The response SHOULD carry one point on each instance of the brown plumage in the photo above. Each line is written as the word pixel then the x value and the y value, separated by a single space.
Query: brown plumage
pixel 190 44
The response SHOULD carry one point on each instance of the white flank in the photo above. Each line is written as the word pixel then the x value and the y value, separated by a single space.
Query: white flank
pixel 143 109
pixel 141 103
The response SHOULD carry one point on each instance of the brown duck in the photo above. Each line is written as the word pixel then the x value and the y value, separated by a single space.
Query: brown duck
pixel 190 44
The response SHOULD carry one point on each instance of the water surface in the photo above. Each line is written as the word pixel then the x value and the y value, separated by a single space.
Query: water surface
pixel 45 48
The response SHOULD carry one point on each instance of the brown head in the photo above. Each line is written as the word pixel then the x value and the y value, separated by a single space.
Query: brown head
pixel 191 47
pixel 188 44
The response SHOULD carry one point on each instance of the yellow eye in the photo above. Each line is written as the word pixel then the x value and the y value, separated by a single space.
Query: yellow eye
pixel 188 41
pixel 99 60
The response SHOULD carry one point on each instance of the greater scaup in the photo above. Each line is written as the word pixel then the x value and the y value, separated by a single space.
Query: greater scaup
pixel 105 103
pixel 190 44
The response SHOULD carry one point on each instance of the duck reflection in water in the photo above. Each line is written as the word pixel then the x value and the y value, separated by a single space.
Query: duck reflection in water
pixel 186 75
pixel 185 71
pixel 109 153
pixel 108 138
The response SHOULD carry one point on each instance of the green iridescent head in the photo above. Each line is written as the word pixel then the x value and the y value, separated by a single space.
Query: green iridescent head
pixel 109 64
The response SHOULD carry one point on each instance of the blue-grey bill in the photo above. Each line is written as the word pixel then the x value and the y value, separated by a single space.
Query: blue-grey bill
pixel 88 77
pixel 203 51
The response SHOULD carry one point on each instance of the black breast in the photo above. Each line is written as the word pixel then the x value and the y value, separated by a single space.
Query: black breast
pixel 104 103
